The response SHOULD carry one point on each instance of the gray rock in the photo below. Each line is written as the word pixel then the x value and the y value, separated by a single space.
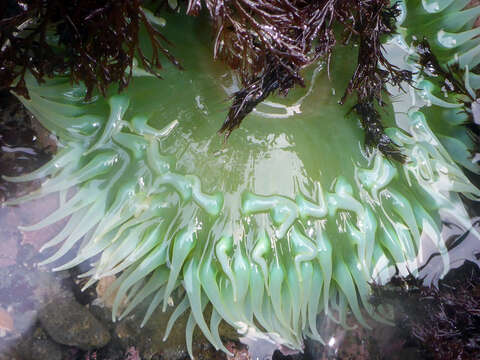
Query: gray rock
pixel 38 346
pixel 69 323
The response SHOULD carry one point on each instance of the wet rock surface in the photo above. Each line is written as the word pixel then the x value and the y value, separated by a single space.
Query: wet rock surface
pixel 149 339
pixel 38 346
pixel 69 323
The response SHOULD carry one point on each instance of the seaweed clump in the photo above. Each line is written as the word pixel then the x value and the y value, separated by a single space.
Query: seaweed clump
pixel 269 42
pixel 266 42
pixel 95 42
pixel 443 320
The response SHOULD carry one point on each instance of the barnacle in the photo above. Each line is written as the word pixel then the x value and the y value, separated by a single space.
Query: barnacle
pixel 288 219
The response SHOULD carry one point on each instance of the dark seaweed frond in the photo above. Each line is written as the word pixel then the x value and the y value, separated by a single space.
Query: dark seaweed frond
pixel 375 20
pixel 443 320
pixel 269 42
pixel 245 100
pixel 94 41
pixel 374 131
pixel 451 79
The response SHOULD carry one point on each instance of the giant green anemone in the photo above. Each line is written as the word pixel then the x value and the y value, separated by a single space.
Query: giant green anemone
pixel 287 219
pixel 448 27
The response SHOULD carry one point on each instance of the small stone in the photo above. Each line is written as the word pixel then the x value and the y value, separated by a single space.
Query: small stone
pixel 38 346
pixel 69 323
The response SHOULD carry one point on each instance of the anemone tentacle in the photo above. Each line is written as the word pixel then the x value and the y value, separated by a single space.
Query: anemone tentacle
pixel 447 26
pixel 285 221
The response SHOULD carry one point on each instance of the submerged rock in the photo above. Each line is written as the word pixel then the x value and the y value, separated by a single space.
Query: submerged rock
pixel 38 346
pixel 70 323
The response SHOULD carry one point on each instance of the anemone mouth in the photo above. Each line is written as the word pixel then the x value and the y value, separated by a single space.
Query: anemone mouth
pixel 286 220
